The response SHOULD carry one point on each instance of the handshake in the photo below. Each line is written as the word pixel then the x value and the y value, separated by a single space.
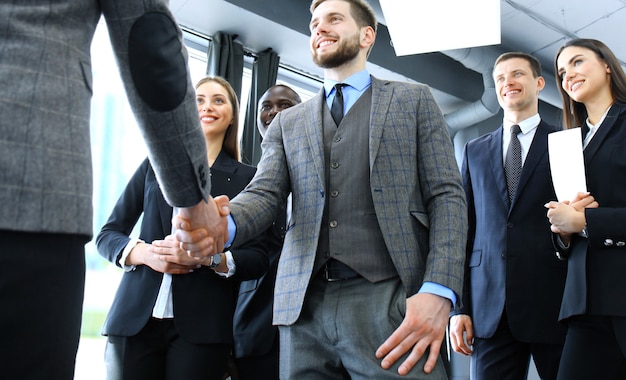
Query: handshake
pixel 202 229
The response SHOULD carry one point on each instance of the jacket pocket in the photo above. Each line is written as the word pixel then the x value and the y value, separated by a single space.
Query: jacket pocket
pixel 475 258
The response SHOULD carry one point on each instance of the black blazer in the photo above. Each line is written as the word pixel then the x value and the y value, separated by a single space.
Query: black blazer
pixel 203 301
pixel 511 261
pixel 595 280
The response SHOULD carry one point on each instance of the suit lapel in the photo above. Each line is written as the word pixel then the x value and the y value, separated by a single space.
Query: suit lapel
pixel 381 101
pixel 314 129
pixel 602 132
pixel 494 154
pixel 538 149
pixel 225 163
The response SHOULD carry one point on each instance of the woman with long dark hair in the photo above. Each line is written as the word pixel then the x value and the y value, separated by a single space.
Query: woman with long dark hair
pixel 591 228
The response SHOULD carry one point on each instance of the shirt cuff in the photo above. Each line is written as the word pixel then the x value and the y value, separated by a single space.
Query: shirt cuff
pixel 129 247
pixel 232 230
pixel 230 262
pixel 439 290
pixel 560 243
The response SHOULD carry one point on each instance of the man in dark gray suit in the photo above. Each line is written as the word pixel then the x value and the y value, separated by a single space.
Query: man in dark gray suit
pixel 45 166
pixel 373 255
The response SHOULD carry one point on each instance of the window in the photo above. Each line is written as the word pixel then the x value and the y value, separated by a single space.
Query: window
pixel 118 149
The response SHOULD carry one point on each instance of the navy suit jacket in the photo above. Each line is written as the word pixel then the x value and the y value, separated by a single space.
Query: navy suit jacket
pixel 511 261
pixel 203 302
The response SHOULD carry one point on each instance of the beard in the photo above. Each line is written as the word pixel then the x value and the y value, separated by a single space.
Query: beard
pixel 345 52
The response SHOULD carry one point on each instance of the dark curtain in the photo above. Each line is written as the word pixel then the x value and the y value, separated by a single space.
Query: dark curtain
pixel 225 59
pixel 264 73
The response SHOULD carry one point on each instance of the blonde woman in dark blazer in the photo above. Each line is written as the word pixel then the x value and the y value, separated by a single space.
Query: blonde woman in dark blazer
pixel 173 320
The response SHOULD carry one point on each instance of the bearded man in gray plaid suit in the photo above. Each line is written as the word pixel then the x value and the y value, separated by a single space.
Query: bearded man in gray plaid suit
pixel 373 256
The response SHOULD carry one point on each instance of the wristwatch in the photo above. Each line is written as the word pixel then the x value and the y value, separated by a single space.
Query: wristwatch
pixel 215 260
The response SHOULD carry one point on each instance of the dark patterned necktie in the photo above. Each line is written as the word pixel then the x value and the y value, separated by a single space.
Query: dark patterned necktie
pixel 336 109
pixel 513 162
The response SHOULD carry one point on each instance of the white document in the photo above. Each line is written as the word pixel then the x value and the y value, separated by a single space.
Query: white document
pixel 567 165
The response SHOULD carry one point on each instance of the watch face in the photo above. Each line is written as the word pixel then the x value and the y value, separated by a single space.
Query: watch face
pixel 216 260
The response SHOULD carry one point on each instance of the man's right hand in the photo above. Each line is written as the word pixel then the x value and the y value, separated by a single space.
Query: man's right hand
pixel 462 334
pixel 202 230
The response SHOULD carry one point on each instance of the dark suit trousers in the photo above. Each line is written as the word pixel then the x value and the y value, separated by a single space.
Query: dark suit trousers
pixel 158 352
pixel 592 349
pixel 42 282
pixel 261 367
pixel 502 357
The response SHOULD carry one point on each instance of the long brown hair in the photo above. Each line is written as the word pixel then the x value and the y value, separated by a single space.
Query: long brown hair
pixel 230 144
pixel 575 113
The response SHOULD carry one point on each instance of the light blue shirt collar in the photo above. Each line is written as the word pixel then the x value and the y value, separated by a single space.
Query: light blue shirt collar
pixel 357 84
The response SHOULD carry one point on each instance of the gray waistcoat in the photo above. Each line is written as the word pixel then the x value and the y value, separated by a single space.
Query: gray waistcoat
pixel 350 231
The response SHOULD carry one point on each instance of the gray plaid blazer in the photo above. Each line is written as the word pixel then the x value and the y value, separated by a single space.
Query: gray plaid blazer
pixel 45 93
pixel 414 181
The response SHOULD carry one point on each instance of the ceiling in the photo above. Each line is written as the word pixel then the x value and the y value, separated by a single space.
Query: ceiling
pixel 538 27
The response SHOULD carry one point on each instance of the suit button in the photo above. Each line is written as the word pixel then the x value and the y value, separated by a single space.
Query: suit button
pixel 608 242
pixel 334 193
pixel 334 165
pixel 510 225
pixel 333 224
pixel 620 244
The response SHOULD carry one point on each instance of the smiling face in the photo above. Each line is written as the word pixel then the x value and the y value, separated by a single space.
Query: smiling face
pixel 214 109
pixel 336 39
pixel 273 101
pixel 584 76
pixel 517 88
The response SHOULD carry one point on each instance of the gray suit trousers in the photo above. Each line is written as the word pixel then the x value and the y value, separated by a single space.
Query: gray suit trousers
pixel 341 326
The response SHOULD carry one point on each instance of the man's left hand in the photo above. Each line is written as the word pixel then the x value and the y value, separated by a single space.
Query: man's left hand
pixel 422 329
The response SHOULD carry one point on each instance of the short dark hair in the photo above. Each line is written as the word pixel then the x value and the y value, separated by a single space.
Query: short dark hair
pixel 534 63
pixel 296 96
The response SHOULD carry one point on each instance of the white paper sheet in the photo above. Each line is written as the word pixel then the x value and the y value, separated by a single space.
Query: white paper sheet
pixel 567 164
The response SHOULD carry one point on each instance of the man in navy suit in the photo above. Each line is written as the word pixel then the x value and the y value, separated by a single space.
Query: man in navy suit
pixel 513 283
